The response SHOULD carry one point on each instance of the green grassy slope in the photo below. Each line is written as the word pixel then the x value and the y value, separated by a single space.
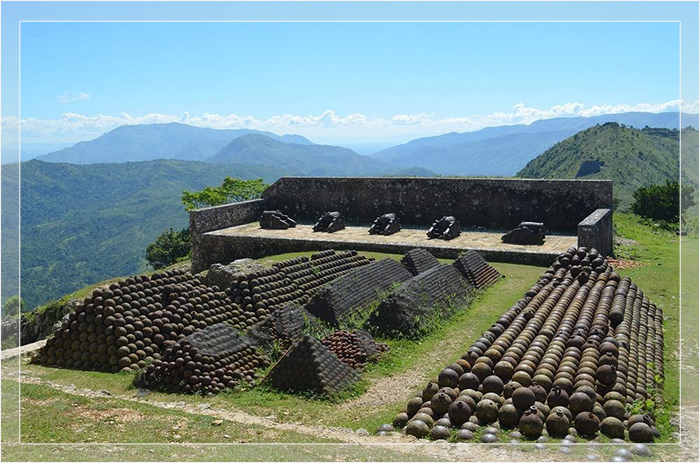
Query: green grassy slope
pixel 84 223
pixel 632 157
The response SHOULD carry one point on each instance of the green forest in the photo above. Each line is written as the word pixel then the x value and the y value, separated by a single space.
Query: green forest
pixel 84 223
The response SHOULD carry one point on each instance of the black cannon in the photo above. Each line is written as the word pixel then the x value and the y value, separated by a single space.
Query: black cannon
pixel 445 228
pixel 275 220
pixel 330 222
pixel 526 233
pixel 386 224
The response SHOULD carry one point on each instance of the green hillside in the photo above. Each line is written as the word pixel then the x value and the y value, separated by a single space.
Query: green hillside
pixel 629 157
pixel 84 223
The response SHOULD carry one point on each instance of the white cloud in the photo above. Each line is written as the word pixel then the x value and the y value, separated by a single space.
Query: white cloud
pixel 325 127
pixel 69 97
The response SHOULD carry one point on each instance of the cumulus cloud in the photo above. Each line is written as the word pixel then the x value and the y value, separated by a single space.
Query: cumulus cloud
pixel 69 97
pixel 326 126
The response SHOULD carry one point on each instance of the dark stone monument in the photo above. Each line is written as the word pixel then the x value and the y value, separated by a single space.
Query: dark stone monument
pixel 445 228
pixel 330 222
pixel 526 233
pixel 275 220
pixel 386 224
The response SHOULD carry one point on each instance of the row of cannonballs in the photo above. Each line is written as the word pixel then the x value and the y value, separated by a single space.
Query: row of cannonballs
pixel 581 346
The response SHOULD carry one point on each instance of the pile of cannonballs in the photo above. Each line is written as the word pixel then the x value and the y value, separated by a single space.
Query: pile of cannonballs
pixel 572 357
pixel 126 326
pixel 354 349
pixel 208 361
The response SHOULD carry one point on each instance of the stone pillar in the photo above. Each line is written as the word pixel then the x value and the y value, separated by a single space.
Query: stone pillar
pixel 596 230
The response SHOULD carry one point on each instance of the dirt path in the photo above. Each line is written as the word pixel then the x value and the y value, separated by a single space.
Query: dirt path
pixel 407 444
pixel 21 350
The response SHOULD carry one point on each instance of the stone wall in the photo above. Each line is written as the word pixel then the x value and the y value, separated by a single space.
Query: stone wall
pixel 218 217
pixel 595 231
pixel 476 202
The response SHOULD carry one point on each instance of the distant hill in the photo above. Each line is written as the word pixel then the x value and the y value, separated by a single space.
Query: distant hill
pixel 629 157
pixel 504 150
pixel 133 143
pixel 310 160
pixel 83 224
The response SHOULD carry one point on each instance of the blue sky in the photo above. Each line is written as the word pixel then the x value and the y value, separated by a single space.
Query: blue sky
pixel 334 82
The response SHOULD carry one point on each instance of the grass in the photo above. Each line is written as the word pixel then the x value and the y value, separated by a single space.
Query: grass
pixel 660 278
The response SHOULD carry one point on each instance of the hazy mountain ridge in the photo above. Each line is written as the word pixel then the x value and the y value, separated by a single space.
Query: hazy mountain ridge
pixel 505 150
pixel 322 160
pixel 134 143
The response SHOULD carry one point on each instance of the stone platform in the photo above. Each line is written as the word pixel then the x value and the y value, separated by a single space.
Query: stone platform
pixel 249 240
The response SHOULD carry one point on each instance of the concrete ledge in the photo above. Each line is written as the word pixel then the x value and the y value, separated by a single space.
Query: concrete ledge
pixel 595 231
pixel 218 217
pixel 223 248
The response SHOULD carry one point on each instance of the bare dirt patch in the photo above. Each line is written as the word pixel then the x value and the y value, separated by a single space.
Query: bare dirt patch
pixel 624 264
pixel 117 415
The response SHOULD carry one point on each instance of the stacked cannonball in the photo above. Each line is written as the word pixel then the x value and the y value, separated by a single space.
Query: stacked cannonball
pixel 354 349
pixel 294 280
pixel 310 366
pixel 570 355
pixel 125 326
pixel 209 360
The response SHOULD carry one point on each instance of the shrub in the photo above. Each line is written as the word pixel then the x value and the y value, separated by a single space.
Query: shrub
pixel 169 248
pixel 663 202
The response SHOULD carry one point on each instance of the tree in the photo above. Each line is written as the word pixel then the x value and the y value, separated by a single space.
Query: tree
pixel 169 248
pixel 12 306
pixel 663 202
pixel 232 190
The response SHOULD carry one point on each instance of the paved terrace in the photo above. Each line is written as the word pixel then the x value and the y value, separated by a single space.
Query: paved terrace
pixel 249 240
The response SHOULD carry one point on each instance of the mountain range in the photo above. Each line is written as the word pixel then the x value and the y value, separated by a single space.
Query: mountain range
pixel 132 143
pixel 504 150
pixel 312 160
pixel 493 151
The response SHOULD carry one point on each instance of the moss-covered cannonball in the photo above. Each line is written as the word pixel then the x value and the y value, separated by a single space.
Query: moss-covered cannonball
pixel 614 408
pixel 469 381
pixel 459 412
pixel 586 423
pixel 492 384
pixel 509 388
pixel 417 428
pixel 448 378
pixel 612 428
pixel 523 398
pixel 508 416
pixel 530 425
pixel 439 432
pixel 440 403
pixel 641 432
pixel 414 405
pixel 464 435
pixel 580 402
pixel 486 411
pixel 424 417
pixel 558 423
